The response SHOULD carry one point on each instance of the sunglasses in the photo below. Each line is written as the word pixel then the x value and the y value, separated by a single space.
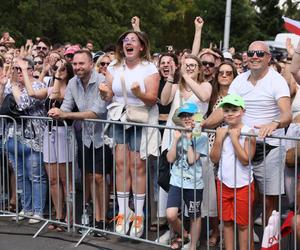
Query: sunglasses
pixel 209 64
pixel 259 53
pixel 185 115
pixel 19 69
pixel 104 63
pixel 41 48
pixel 127 40
pixel 227 73
pixel 2 51
pixel 191 66
pixel 69 56
pixel 38 62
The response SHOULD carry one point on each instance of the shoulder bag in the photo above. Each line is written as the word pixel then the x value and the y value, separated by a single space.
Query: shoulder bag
pixel 134 113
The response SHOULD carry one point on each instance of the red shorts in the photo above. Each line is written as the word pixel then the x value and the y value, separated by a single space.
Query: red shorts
pixel 242 206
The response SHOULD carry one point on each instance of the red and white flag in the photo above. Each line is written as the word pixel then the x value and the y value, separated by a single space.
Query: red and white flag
pixel 291 25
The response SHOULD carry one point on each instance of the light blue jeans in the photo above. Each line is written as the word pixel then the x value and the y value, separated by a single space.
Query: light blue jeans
pixel 32 181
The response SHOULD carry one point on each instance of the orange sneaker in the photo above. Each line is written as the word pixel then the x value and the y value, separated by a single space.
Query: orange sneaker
pixel 122 224
pixel 137 227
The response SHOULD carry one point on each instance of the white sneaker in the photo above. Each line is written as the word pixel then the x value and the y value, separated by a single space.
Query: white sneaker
pixel 122 225
pixel 22 215
pixel 36 218
pixel 258 220
pixel 255 237
pixel 165 238
pixel 137 227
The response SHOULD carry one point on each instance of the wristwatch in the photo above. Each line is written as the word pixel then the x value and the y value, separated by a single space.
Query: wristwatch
pixel 277 121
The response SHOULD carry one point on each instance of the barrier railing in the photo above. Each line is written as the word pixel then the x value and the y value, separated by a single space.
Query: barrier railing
pixel 89 185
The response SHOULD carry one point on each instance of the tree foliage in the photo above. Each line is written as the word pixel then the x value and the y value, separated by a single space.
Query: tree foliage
pixel 167 22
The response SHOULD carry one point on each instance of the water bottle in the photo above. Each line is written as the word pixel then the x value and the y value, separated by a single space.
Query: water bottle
pixel 85 220
pixel 198 118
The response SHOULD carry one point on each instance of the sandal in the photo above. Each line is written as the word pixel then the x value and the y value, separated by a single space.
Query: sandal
pixel 52 227
pixel 177 243
pixel 161 225
pixel 12 207
pixel 212 242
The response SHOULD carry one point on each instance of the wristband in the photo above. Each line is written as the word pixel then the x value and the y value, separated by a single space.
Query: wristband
pixel 170 81
pixel 277 121
pixel 57 78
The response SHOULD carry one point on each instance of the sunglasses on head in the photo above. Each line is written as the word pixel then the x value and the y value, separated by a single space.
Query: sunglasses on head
pixel 227 73
pixel 259 53
pixel 41 48
pixel 38 62
pixel 210 64
pixel 104 63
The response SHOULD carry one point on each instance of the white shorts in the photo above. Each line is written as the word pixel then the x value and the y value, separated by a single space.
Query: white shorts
pixel 56 145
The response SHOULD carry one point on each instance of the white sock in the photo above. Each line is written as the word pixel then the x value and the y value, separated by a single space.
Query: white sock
pixel 139 200
pixel 123 201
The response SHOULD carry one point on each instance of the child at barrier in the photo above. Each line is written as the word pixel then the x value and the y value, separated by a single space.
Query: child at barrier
pixel 235 180
pixel 186 177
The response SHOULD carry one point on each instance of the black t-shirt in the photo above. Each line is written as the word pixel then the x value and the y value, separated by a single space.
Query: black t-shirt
pixel 163 109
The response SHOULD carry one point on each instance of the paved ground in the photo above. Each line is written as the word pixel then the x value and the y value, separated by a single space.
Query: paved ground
pixel 19 237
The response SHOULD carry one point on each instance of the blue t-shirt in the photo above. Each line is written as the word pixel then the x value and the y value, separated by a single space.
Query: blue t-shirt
pixel 185 175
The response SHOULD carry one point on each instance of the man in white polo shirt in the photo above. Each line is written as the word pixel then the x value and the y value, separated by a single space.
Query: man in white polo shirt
pixel 268 111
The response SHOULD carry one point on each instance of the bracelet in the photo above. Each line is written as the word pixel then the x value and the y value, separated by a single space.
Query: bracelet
pixel 57 78
pixel 171 81
pixel 55 92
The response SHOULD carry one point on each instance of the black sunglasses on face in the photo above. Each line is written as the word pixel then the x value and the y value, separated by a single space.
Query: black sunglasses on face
pixel 259 53
pixel 104 63
pixel 69 56
pixel 41 48
pixel 38 62
pixel 19 69
pixel 210 64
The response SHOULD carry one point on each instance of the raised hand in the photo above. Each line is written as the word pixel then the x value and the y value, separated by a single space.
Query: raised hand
pixel 198 23
pixel 135 23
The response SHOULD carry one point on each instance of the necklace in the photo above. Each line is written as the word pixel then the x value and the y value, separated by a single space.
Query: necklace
pixel 190 90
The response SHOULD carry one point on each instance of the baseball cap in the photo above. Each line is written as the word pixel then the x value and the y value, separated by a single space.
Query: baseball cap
pixel 234 100
pixel 71 50
pixel 188 107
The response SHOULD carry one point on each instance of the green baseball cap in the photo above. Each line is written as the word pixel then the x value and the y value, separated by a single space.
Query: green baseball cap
pixel 234 100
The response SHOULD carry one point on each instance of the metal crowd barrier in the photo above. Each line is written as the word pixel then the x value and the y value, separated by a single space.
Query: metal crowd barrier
pixel 78 205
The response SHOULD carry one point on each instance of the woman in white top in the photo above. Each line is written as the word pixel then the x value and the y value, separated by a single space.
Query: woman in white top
pixel 141 80
pixel 191 88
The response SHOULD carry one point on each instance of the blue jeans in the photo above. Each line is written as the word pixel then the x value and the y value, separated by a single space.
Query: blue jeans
pixel 32 181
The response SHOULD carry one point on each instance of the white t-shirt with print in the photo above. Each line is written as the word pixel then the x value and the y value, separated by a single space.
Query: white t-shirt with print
pixel 261 99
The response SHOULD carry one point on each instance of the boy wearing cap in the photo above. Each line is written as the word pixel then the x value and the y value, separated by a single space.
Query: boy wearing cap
pixel 235 178
pixel 186 173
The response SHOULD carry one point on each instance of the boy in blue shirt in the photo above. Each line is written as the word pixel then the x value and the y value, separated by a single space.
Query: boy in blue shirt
pixel 186 173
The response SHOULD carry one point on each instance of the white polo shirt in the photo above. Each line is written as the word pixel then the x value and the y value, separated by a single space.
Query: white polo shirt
pixel 261 99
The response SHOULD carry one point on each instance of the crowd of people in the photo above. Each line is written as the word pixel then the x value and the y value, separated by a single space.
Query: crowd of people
pixel 249 92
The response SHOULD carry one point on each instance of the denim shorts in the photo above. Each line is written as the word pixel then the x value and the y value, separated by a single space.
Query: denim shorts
pixel 192 199
pixel 133 136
